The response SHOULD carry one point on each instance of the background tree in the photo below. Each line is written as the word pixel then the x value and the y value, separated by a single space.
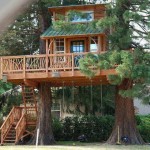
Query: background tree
pixel 129 22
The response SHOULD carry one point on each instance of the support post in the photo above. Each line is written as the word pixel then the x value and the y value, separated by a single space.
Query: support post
pixel 46 65
pixel 1 67
pixel 24 67
pixel 72 64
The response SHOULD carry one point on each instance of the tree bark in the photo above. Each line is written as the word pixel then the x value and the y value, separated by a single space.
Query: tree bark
pixel 125 123
pixel 44 123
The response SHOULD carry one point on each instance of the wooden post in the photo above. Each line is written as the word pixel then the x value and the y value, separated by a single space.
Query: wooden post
pixel 46 67
pixel 72 64
pixel 24 67
pixel 1 68
pixel 100 46
pixel 47 46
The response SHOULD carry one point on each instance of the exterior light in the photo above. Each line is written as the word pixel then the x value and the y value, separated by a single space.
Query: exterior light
pixel 56 74
pixel 4 78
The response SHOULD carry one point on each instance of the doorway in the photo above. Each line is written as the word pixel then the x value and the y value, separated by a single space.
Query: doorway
pixel 77 47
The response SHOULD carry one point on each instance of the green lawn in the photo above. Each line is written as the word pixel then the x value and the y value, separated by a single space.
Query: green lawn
pixel 77 146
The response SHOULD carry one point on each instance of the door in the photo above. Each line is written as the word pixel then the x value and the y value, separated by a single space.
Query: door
pixel 77 47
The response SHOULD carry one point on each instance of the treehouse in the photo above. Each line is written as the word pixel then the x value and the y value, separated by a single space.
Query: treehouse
pixel 71 37
pixel 64 46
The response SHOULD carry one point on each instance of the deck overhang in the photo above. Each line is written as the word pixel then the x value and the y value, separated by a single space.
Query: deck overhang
pixel 57 69
pixel 64 78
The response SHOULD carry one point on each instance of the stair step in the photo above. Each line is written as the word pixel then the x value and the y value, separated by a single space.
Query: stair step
pixel 11 135
pixel 28 97
pixel 9 140
pixel 12 130
pixel 29 100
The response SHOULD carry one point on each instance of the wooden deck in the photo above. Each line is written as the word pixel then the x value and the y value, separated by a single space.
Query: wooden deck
pixel 58 69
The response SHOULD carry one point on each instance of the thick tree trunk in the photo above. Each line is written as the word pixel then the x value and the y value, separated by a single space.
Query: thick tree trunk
pixel 125 124
pixel 44 123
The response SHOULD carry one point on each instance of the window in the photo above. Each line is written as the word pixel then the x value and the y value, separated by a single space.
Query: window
pixel 59 46
pixel 81 17
pixel 77 46
pixel 59 49
pixel 56 110
pixel 94 44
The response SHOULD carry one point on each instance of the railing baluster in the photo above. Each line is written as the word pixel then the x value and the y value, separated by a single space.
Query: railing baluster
pixel 72 64
pixel 24 67
pixel 1 71
pixel 46 65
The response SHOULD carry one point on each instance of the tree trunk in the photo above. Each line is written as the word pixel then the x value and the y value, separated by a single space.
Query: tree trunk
pixel 44 123
pixel 125 123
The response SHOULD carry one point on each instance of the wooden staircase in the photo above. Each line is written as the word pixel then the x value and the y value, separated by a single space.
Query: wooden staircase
pixel 11 136
pixel 20 118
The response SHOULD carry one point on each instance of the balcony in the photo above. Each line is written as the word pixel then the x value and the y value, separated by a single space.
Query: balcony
pixel 58 69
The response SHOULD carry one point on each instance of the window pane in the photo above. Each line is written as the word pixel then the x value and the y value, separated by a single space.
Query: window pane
pixel 94 44
pixel 83 17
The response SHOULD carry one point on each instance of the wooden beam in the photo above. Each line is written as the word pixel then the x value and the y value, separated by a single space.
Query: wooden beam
pixel 30 83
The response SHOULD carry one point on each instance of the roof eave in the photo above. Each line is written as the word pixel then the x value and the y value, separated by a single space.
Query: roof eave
pixel 75 35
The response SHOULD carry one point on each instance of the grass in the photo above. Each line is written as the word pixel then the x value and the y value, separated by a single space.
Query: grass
pixel 77 146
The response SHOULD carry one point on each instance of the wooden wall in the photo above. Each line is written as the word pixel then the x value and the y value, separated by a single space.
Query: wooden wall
pixel 98 9
pixel 67 43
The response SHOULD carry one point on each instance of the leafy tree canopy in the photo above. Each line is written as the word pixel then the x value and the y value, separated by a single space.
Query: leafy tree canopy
pixel 128 32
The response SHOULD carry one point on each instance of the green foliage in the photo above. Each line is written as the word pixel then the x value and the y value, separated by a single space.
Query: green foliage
pixel 133 65
pixel 144 127
pixel 106 22
pixel 94 128
pixel 128 15
pixel 61 24
pixel 4 87
pixel 9 99
pixel 88 64
pixel 57 127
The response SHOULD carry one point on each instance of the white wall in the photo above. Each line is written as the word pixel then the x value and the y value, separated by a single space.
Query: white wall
pixel 142 109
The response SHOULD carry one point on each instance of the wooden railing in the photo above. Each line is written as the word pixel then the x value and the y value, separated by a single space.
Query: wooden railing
pixel 20 127
pixel 31 115
pixel 21 116
pixel 40 63
pixel 13 115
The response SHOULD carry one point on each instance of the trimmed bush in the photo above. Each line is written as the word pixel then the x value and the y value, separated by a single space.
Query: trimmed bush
pixel 144 127
pixel 96 129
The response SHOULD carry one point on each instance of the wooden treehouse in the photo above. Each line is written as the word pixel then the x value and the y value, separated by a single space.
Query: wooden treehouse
pixel 59 65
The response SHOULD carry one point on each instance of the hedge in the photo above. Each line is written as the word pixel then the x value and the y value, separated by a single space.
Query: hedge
pixel 96 129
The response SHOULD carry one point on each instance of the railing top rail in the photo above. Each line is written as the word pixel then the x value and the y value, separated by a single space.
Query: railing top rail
pixel 44 55
pixel 7 118
pixel 22 56
pixel 23 115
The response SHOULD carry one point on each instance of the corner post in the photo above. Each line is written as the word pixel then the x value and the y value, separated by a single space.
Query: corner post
pixel 72 64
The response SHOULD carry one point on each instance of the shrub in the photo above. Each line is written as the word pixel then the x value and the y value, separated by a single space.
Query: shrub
pixel 144 128
pixel 94 128
pixel 57 129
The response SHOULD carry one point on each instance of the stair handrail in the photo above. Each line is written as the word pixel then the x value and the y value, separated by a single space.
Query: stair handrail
pixel 7 124
pixel 20 127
